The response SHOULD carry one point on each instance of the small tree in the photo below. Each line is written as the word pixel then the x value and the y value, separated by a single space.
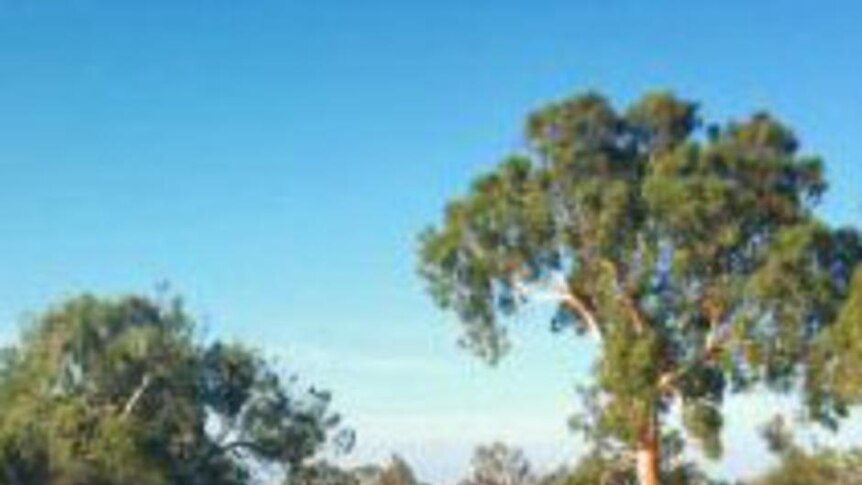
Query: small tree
pixel 112 391
pixel 498 464
pixel 799 466
pixel 689 252
pixel 397 472
pixel 822 467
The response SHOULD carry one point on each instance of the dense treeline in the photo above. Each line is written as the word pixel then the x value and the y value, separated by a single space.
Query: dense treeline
pixel 120 390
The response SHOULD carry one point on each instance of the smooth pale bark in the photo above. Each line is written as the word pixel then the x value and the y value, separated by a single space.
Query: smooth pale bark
pixel 649 454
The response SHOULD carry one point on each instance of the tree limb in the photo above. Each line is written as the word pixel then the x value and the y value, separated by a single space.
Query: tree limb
pixel 575 303
pixel 251 445
pixel 560 292
pixel 136 396
pixel 234 422
pixel 624 296
pixel 634 312
pixel 713 312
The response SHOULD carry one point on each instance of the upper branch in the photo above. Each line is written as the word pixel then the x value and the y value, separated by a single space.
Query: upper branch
pixel 136 395
pixel 559 291
pixel 635 313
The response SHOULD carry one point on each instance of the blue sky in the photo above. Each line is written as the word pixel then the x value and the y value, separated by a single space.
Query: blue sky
pixel 274 160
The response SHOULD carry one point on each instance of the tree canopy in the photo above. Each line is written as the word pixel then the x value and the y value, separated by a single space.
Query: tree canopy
pixel 395 472
pixel 498 464
pixel 822 467
pixel 118 390
pixel 689 250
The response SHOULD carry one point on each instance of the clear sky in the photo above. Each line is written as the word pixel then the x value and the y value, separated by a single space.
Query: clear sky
pixel 274 161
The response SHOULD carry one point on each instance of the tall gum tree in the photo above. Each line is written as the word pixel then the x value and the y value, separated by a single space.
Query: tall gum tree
pixel 690 253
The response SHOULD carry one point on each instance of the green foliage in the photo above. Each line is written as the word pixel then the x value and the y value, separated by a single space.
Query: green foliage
pixel 596 468
pixel 322 473
pixel 690 249
pixel 703 421
pixel 105 391
pixel 498 464
pixel 836 381
pixel 824 467
pixel 601 468
pixel 611 462
pixel 395 472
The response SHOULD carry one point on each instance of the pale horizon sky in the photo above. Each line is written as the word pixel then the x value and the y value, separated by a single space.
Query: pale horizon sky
pixel 275 159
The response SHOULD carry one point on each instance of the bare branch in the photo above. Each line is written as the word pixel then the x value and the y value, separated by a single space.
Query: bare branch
pixel 634 312
pixel 235 445
pixel 558 291
pixel 572 301
pixel 233 424
pixel 136 396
